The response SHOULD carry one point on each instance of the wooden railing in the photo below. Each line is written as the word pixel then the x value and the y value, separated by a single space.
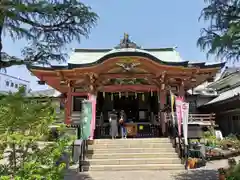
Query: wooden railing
pixel 150 130
pixel 203 119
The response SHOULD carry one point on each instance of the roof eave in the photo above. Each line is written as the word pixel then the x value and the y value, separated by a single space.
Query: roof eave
pixel 220 82
pixel 236 97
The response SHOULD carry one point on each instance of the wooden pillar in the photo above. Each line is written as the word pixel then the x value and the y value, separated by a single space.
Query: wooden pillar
pixel 182 90
pixel 68 106
pixel 162 98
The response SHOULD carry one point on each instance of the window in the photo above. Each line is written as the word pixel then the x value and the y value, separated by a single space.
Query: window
pixel 12 84
pixel 16 85
pixel 23 85
pixel 7 83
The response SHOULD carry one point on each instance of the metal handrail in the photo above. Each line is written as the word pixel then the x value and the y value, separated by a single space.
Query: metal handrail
pixel 180 147
pixel 82 156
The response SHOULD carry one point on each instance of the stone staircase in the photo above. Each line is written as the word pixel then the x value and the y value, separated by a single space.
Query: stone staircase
pixel 131 154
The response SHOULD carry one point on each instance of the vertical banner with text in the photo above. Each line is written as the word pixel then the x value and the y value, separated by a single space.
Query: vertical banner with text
pixel 86 117
pixel 92 99
pixel 179 102
pixel 185 114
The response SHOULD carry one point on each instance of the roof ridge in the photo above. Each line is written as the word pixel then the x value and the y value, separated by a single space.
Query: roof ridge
pixel 109 49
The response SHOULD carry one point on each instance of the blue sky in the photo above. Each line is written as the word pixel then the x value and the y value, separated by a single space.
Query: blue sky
pixel 151 24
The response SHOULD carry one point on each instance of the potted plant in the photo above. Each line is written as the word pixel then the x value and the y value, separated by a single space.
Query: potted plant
pixel 191 163
pixel 221 174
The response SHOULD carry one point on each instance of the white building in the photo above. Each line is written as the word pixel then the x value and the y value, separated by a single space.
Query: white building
pixel 11 84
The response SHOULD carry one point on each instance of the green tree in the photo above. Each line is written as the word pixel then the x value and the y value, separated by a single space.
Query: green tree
pixel 24 123
pixel 222 36
pixel 47 25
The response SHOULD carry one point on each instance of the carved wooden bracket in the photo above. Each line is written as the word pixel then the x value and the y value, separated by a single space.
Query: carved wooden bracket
pixel 92 83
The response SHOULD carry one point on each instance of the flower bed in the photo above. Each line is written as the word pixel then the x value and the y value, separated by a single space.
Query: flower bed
pixel 230 173
pixel 221 149
pixel 216 154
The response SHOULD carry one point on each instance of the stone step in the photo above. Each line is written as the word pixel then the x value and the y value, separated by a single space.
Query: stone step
pixel 131 155
pixel 131 150
pixel 131 145
pixel 132 161
pixel 137 167
pixel 132 141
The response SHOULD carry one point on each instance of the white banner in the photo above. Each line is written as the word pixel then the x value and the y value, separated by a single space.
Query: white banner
pixel 185 114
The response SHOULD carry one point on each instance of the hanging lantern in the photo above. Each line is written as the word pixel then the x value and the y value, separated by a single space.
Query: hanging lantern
pixel 120 94
pixel 127 94
pixel 151 93
pixel 103 94
pixel 111 96
pixel 143 97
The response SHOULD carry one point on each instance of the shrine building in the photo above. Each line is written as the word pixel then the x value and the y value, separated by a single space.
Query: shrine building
pixel 128 78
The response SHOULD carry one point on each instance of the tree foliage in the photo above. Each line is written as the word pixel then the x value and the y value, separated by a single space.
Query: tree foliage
pixel 47 25
pixel 23 154
pixel 222 36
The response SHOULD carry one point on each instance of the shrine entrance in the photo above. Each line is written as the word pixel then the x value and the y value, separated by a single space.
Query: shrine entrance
pixel 129 104
pixel 141 108
pixel 124 77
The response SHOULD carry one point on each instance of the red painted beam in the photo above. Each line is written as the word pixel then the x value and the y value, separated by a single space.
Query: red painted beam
pixel 126 76
pixel 79 94
pixel 123 88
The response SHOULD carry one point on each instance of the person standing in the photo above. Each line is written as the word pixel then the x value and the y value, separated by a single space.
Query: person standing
pixel 113 124
pixel 122 122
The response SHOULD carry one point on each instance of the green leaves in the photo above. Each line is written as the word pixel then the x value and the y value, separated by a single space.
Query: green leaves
pixel 47 25
pixel 222 37
pixel 23 154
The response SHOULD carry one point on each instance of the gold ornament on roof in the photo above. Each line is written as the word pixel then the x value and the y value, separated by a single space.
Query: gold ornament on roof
pixel 127 67
pixel 127 43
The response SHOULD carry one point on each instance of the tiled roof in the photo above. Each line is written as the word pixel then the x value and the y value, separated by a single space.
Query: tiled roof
pixel 44 93
pixel 225 95
pixel 230 70
pixel 86 57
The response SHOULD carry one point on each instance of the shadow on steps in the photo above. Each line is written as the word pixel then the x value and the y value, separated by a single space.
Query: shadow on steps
pixel 198 174
pixel 72 174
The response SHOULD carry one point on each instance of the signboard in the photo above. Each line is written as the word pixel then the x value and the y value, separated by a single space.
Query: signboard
pixel 86 117
pixel 185 114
